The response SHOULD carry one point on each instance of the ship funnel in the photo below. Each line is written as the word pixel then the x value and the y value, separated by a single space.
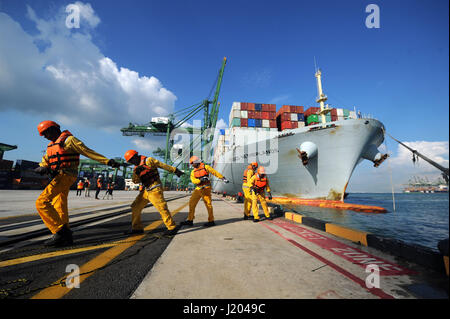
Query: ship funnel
pixel 307 151
pixel 372 153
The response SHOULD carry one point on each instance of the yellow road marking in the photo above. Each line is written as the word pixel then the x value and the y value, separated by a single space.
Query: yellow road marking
pixel 56 292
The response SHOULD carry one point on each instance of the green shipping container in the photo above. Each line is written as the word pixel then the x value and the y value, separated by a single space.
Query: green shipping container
pixel 312 118
pixel 346 112
pixel 328 118
pixel 236 122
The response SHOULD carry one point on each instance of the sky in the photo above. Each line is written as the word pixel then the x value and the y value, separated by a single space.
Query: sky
pixel 132 60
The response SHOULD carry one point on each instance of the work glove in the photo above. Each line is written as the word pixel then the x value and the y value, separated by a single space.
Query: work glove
pixel 113 163
pixel 178 172
pixel 42 170
pixel 226 181
pixel 204 179
pixel 270 196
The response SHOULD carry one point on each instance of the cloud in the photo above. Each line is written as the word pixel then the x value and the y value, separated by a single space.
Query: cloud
pixel 59 73
pixel 221 124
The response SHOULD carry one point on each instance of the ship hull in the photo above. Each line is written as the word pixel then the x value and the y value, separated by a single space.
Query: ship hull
pixel 340 147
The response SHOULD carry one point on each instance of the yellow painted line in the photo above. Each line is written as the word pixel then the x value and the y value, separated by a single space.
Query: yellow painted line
pixel 16 261
pixel 56 292
pixel 347 233
pixel 294 217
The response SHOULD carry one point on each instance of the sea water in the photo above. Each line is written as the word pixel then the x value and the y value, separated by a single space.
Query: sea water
pixel 418 218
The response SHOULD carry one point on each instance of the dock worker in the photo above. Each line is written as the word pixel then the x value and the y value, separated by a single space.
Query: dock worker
pixel 259 183
pixel 99 186
pixel 80 187
pixel 200 176
pixel 248 173
pixel 146 172
pixel 87 186
pixel 109 190
pixel 61 162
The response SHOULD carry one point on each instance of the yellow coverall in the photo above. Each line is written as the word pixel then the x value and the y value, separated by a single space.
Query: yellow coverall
pixel 247 195
pixel 153 194
pixel 261 196
pixel 52 202
pixel 204 192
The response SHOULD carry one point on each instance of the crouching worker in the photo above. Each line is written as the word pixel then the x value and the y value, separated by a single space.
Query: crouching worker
pixel 146 172
pixel 200 176
pixel 61 162
pixel 259 184
pixel 248 173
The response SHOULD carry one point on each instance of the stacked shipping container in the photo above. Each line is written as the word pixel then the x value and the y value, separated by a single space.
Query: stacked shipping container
pixel 253 115
pixel 290 117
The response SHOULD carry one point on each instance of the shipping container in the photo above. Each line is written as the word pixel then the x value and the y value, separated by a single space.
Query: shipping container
pixel 251 114
pixel 294 116
pixel 250 106
pixel 258 107
pixel 244 122
pixel 265 123
pixel 272 115
pixel 273 123
pixel 251 122
pixel 312 118
pixel 294 124
pixel 265 115
pixel 312 110
pixel 334 118
pixel 264 107
pixel 244 114
pixel 258 123
pixel 222 132
pixel 285 125
pixel 258 115
pixel 300 117
pixel 301 124
pixel 236 122
pixel 244 106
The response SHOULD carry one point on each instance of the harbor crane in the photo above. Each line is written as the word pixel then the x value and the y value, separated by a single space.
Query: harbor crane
pixel 164 126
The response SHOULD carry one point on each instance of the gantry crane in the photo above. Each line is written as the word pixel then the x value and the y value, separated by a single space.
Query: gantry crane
pixel 210 109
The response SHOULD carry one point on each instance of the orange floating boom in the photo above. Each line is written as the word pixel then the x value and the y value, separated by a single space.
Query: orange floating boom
pixel 328 204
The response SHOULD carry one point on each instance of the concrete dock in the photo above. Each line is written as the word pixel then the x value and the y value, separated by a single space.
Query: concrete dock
pixel 236 259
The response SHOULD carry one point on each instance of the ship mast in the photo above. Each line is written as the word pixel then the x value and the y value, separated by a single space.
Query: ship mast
pixel 322 97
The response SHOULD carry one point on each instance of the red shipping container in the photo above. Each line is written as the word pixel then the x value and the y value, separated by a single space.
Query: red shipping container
pixel 251 114
pixel 286 116
pixel 265 115
pixel 272 115
pixel 258 115
pixel 299 109
pixel 334 118
pixel 286 125
pixel 251 106
pixel 334 112
pixel 273 123
pixel 272 108
pixel 244 122
pixel 244 106
pixel 294 124
pixel 284 109
pixel 312 110
pixel 264 107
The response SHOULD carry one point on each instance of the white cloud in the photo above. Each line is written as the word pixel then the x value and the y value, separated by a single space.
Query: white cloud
pixel 59 73
pixel 221 124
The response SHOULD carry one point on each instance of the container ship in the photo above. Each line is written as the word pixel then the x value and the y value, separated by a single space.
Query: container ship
pixel 308 152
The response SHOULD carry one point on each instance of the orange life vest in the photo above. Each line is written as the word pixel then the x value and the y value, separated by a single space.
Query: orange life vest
pixel 58 157
pixel 80 185
pixel 148 175
pixel 99 183
pixel 244 179
pixel 200 172
pixel 260 183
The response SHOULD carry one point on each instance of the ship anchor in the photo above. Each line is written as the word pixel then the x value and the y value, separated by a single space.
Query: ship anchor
pixel 381 160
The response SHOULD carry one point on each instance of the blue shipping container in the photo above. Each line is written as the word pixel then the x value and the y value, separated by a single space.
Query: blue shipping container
pixel 258 107
pixel 258 123
pixel 300 117
pixel 251 123
pixel 222 132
